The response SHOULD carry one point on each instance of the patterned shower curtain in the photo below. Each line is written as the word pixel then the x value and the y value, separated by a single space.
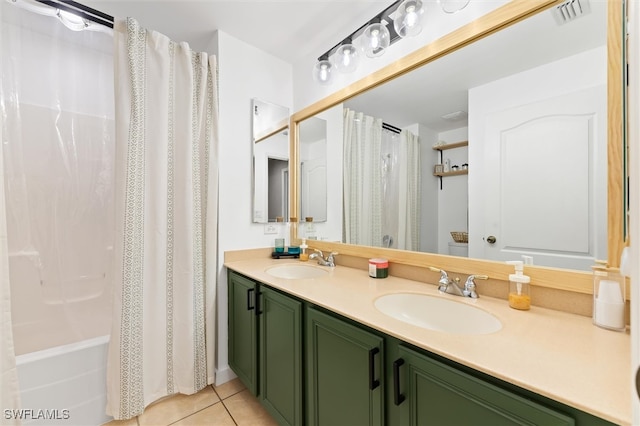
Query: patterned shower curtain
pixel 381 206
pixel 166 192
pixel 362 175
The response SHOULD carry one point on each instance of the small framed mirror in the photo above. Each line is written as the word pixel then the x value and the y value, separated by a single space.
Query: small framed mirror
pixel 270 123
pixel 313 169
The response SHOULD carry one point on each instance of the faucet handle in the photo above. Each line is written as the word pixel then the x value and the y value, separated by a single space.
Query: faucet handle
pixel 470 285
pixel 444 278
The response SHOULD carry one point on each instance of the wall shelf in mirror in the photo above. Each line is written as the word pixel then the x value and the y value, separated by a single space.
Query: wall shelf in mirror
pixel 452 173
pixel 450 146
pixel 444 147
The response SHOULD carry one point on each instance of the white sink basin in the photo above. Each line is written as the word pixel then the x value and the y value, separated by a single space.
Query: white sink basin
pixel 297 271
pixel 438 313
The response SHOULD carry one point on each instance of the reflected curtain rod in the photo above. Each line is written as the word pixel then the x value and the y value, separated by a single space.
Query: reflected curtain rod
pixel 391 128
pixel 81 10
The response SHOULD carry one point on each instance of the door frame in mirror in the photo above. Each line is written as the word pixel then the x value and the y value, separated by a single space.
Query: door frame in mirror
pixel 507 15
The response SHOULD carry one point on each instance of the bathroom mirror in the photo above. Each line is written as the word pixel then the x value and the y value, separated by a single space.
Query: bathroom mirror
pixel 448 55
pixel 312 138
pixel 270 161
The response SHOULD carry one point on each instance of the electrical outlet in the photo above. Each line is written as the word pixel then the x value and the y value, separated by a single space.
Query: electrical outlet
pixel 270 228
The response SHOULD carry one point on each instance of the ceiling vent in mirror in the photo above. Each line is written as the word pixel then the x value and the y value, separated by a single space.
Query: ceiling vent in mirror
pixel 570 10
pixel 455 116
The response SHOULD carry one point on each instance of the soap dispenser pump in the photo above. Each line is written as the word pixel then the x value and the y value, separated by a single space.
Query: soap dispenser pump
pixel 519 297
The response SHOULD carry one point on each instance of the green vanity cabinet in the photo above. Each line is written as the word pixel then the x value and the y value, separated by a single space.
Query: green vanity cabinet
pixel 265 346
pixel 243 331
pixel 429 392
pixel 310 366
pixel 281 356
pixel 345 365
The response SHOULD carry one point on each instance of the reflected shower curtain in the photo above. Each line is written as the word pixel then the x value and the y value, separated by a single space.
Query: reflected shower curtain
pixel 362 203
pixel 408 192
pixel 162 340
pixel 381 184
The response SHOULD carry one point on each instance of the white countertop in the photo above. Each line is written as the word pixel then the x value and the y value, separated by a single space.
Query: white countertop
pixel 561 356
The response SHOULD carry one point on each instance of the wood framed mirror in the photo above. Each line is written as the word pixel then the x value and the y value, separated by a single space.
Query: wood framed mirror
pixel 484 26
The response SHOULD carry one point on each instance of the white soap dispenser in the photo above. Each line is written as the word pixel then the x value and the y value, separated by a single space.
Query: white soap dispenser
pixel 519 297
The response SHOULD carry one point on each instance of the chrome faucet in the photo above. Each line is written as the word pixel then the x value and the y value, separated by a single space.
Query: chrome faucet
pixel 447 285
pixel 328 261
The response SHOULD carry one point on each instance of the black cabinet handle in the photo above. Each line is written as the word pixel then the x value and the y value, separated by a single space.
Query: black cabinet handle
pixel 397 396
pixel 373 383
pixel 249 292
pixel 258 310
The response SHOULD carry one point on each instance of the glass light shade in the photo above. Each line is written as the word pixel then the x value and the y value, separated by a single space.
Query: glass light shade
pixel 72 21
pixel 408 20
pixel 322 71
pixel 453 6
pixel 346 58
pixel 375 40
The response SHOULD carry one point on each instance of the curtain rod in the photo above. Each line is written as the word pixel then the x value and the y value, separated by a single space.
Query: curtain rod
pixel 391 128
pixel 81 10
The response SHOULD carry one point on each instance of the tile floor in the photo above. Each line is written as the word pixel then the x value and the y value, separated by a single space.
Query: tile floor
pixel 228 404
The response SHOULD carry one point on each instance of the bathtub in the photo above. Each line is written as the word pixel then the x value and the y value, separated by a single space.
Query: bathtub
pixel 65 385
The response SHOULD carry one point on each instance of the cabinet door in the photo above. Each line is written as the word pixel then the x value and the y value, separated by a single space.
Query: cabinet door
pixel 243 340
pixel 281 356
pixel 344 373
pixel 432 393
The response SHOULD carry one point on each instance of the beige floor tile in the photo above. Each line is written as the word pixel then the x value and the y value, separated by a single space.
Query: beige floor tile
pixel 177 407
pixel 215 415
pixel 130 422
pixel 246 410
pixel 232 387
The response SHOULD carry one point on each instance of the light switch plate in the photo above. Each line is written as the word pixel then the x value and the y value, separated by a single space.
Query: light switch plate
pixel 270 228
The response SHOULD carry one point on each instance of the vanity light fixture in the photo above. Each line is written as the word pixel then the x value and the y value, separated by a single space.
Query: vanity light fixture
pixel 376 38
pixel 322 71
pixel 408 20
pixel 453 6
pixel 73 15
pixel 373 38
pixel 347 58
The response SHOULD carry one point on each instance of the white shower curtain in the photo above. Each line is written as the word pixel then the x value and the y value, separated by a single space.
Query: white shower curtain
pixel 10 390
pixel 163 337
pixel 381 184
pixel 362 211
pixel 409 192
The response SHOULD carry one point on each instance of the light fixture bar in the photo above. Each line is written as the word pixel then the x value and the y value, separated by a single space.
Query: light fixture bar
pixel 81 10
pixel 382 16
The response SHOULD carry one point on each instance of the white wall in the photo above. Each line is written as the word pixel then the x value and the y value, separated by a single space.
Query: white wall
pixel 436 24
pixel 331 230
pixel 428 188
pixel 453 199
pixel 245 72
